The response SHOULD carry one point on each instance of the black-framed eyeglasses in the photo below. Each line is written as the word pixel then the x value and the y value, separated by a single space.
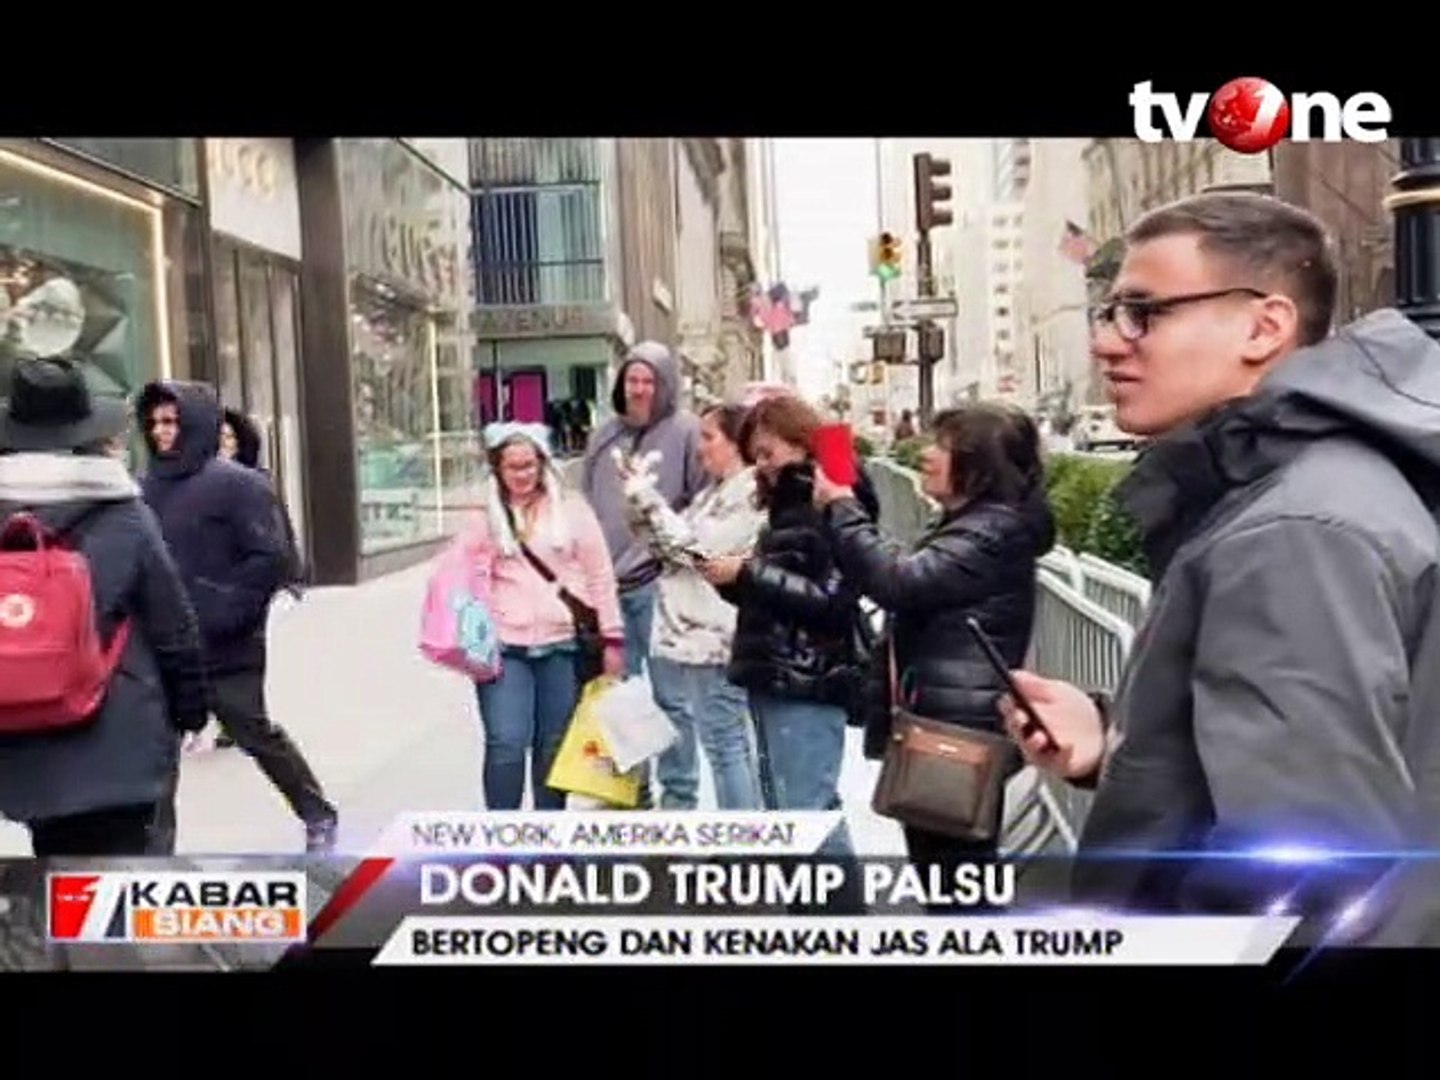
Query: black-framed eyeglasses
pixel 1131 317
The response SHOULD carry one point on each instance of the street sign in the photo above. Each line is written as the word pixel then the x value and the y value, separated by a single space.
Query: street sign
pixel 940 307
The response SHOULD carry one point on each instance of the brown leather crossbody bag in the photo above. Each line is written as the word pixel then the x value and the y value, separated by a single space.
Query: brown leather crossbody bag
pixel 941 777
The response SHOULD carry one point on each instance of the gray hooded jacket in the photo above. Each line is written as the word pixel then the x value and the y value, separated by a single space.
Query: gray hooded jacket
pixel 679 477
pixel 1285 687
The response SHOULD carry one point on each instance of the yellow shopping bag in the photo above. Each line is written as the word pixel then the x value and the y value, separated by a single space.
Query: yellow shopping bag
pixel 583 765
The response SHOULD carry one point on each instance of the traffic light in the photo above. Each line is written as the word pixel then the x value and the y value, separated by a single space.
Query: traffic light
pixel 886 260
pixel 932 342
pixel 931 199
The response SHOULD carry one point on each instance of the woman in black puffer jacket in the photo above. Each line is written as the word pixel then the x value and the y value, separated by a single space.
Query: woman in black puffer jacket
pixel 985 469
pixel 794 645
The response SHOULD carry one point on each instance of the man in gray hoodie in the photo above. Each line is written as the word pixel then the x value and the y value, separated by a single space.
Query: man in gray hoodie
pixel 647 421
pixel 1284 689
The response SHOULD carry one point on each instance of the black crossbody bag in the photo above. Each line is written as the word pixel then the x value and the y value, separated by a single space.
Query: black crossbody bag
pixel 590 664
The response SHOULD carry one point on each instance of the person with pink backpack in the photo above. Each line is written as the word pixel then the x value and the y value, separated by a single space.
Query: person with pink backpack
pixel 525 603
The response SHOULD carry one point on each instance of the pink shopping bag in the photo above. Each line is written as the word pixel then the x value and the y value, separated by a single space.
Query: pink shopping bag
pixel 457 629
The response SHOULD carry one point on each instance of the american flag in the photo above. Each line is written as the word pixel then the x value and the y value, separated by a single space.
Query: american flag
pixel 1075 245
pixel 771 310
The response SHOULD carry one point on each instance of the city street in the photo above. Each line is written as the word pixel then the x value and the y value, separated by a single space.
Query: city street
pixel 386 732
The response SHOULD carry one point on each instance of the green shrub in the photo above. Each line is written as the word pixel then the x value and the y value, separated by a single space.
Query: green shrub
pixel 906 452
pixel 864 448
pixel 1112 536
pixel 1087 516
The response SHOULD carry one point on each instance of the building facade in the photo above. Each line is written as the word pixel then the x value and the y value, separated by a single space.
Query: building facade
pixel 102 258
pixel 256 253
pixel 699 171
pixel 647 220
pixel 389 418
pixel 1345 185
pixel 1013 160
pixel 546 258
pixel 989 269
pixel 1051 330
pixel 746 228
pixel 1128 177
pixel 762 229
pixel 720 347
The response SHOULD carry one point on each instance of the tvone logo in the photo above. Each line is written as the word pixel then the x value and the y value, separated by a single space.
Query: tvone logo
pixel 1250 115
pixel 177 908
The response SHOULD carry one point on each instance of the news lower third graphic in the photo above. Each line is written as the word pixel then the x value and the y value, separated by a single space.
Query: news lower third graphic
pixel 625 889
pixel 176 907
pixel 1060 939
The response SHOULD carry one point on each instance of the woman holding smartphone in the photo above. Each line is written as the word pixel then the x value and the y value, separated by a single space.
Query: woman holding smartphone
pixel 795 630
pixel 984 467
pixel 694 627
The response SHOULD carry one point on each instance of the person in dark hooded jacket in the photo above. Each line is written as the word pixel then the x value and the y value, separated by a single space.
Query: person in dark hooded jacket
pixel 222 523
pixel 240 442
pixel 984 468
pixel 93 790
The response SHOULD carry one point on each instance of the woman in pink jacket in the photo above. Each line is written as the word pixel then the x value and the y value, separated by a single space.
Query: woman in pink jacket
pixel 529 707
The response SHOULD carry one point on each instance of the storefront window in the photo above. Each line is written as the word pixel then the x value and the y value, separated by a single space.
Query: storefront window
pixel 393 369
pixel 417 446
pixel 172 163
pixel 82 273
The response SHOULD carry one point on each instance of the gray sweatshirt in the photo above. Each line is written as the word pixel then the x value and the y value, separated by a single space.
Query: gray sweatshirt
pixel 673 434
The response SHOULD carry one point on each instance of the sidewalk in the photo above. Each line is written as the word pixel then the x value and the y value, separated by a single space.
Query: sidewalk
pixel 386 732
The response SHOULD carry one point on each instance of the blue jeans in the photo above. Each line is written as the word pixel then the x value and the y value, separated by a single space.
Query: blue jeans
pixel 527 709
pixel 802 745
pixel 637 608
pixel 700 701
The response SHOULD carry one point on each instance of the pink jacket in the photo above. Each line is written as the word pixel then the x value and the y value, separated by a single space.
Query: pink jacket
pixel 527 609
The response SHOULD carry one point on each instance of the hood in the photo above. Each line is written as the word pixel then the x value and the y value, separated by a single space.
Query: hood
pixel 662 362
pixel 1376 380
pixel 61 486
pixel 199 408
pixel 247 436
pixel 1379 378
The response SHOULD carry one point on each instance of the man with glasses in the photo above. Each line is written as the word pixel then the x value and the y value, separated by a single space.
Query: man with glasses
pixel 1286 681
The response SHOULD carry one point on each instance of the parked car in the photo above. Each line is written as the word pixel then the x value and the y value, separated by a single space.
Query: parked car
pixel 1095 429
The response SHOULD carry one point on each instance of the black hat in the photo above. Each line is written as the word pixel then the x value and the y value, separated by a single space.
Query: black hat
pixel 50 407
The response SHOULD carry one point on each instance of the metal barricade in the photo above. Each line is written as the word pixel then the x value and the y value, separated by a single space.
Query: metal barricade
pixel 1117 590
pixel 1061 562
pixel 1080 642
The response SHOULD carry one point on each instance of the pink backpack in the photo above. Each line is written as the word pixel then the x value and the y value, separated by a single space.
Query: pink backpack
pixel 457 629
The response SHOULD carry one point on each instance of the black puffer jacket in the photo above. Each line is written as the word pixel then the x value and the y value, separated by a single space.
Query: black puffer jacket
pixel 978 561
pixel 247 453
pixel 794 635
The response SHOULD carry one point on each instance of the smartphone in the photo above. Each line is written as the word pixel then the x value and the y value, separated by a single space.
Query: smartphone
pixel 1033 723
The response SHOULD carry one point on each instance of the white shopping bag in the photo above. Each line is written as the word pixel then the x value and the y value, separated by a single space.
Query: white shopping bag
pixel 635 728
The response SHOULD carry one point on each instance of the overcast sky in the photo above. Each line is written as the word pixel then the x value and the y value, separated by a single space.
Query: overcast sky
pixel 825 201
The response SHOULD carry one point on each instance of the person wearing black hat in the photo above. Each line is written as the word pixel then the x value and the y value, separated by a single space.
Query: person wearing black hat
pixel 223 524
pixel 93 790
